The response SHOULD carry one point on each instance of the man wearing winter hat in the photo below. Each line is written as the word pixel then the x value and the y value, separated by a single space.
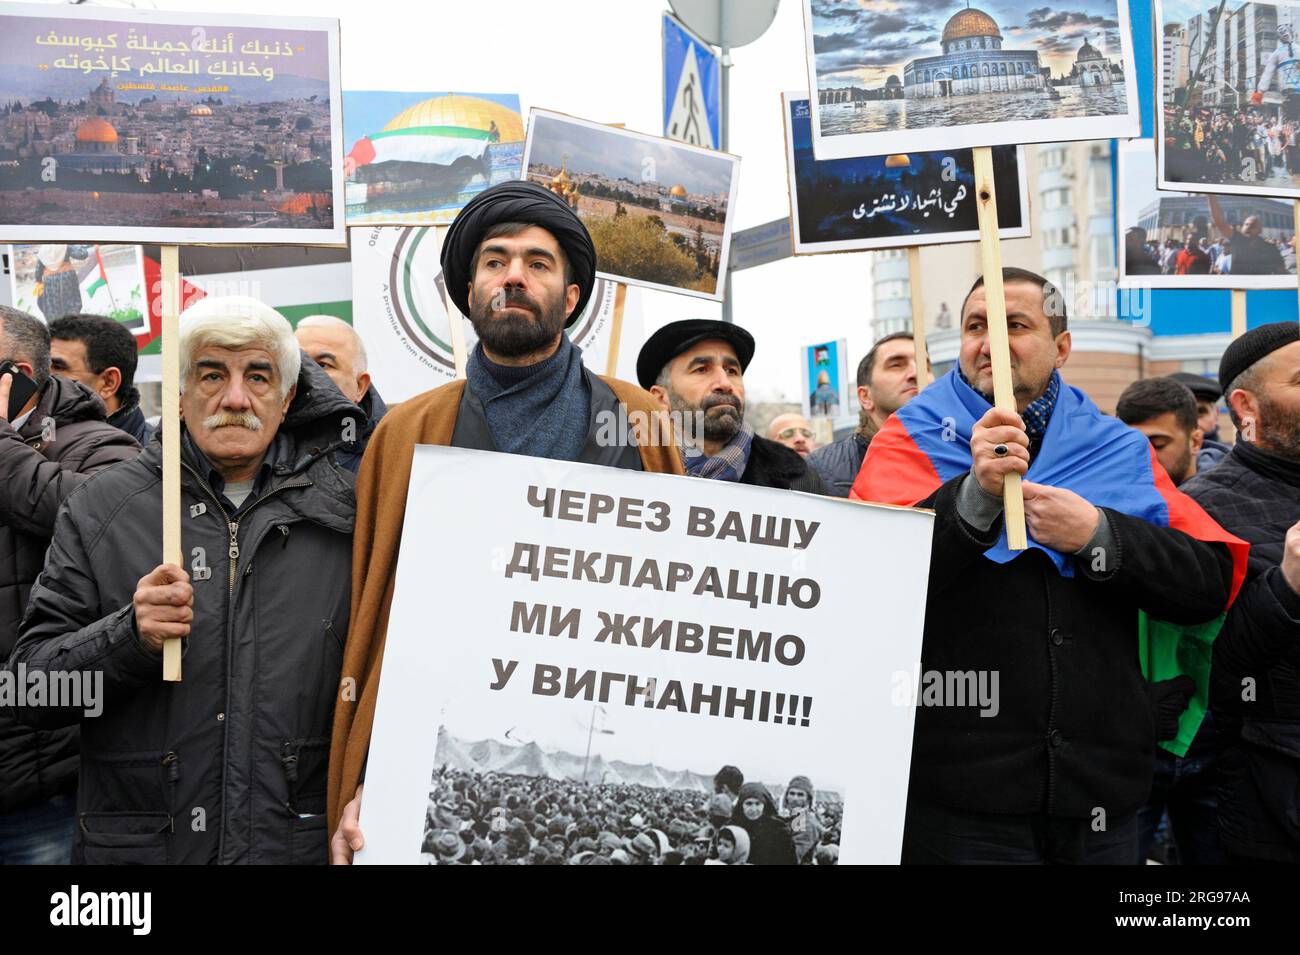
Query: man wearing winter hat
pixel 695 368
pixel 1255 687
pixel 520 263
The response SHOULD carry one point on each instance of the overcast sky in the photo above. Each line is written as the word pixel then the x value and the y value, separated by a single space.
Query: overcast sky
pixel 603 61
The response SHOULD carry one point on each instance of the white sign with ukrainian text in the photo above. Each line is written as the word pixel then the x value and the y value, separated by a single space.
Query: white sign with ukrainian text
pixel 600 642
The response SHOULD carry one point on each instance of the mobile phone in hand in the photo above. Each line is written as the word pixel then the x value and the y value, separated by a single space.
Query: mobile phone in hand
pixel 20 390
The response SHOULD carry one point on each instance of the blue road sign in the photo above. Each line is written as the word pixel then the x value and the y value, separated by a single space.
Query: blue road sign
pixel 692 87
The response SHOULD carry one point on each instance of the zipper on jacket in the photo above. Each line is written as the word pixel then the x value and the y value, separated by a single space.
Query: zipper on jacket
pixel 173 763
pixel 233 554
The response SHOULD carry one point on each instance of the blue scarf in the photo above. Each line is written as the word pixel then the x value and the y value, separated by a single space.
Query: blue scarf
pixel 728 464
pixel 542 410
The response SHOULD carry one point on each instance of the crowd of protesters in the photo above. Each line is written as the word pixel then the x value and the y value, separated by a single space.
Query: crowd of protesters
pixel 290 461
pixel 486 818
pixel 1214 145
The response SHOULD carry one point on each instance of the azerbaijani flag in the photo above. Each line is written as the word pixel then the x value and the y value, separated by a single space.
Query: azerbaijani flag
pixel 927 443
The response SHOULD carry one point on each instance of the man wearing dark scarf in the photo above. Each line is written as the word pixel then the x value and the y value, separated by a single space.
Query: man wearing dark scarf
pixel 1053 764
pixel 695 368
pixel 521 265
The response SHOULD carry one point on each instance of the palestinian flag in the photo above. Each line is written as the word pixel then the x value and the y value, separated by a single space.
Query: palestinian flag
pixel 101 279
pixel 927 443
pixel 442 145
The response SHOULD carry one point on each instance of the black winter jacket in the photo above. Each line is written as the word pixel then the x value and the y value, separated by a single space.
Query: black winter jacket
pixel 129 418
pixel 1255 673
pixel 1074 727
pixel 774 465
pixel 838 463
pixel 228 766
pixel 349 455
pixel 39 468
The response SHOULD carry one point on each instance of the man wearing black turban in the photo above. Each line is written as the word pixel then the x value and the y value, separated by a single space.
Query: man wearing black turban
pixel 522 266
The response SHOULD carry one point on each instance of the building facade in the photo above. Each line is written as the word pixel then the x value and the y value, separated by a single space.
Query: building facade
pixel 1228 55
pixel 1171 215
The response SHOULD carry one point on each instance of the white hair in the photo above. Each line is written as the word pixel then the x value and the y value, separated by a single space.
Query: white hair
pixel 333 321
pixel 237 321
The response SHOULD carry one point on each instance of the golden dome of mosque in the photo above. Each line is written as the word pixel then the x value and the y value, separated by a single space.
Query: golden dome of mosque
pixel 969 23
pixel 463 112
pixel 96 130
pixel 678 190
pixel 898 161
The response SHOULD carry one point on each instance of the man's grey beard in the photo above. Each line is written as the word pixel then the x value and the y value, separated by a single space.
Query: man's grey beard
pixel 720 427
pixel 1279 429
pixel 512 335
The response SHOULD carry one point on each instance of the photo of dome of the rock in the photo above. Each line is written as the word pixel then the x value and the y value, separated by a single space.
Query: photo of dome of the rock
pixel 417 158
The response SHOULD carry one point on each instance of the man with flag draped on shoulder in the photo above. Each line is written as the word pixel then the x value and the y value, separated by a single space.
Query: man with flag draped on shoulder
pixel 1056 765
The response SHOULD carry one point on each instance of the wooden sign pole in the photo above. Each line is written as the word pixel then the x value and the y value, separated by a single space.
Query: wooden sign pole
pixel 1239 312
pixel 171 436
pixel 995 304
pixel 616 330
pixel 923 377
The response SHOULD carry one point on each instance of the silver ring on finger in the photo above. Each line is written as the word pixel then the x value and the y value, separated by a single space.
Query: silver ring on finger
pixel 1001 450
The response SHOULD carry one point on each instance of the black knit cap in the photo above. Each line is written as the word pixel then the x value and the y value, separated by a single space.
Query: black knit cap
pixel 675 337
pixel 517 202
pixel 1254 345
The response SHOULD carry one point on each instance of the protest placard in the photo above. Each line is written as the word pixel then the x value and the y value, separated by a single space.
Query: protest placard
pixel 417 158
pixel 1198 239
pixel 826 380
pixel 594 643
pixel 888 202
pixel 50 281
pixel 950 75
pixel 144 126
pixel 659 211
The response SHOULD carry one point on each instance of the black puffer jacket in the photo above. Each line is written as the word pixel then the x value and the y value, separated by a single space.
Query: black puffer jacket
pixel 1074 726
pixel 129 418
pixel 838 463
pixel 349 455
pixel 774 465
pixel 36 475
pixel 1255 676
pixel 229 765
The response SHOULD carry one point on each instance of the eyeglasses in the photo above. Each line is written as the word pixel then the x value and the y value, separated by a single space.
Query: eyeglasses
pixel 789 433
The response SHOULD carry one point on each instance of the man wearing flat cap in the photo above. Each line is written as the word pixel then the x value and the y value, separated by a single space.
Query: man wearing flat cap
pixel 1255 673
pixel 520 263
pixel 696 368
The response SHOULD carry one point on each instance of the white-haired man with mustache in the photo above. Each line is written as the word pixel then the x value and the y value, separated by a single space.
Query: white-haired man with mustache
pixel 228 766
